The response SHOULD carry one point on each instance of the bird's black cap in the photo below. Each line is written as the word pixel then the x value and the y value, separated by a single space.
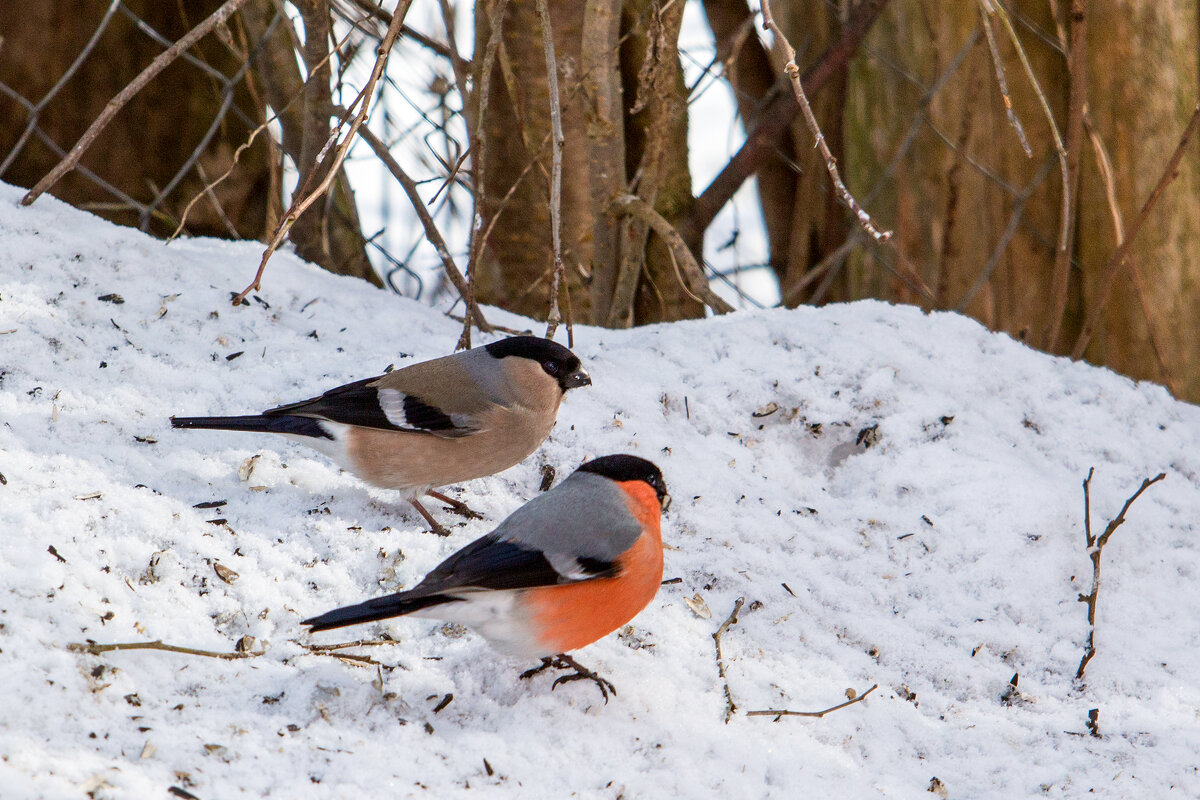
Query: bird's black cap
pixel 621 467
pixel 558 362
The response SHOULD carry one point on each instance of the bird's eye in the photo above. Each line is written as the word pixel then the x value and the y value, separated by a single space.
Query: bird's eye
pixel 551 367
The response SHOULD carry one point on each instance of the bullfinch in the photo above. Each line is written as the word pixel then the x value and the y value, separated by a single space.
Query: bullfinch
pixel 565 569
pixel 452 419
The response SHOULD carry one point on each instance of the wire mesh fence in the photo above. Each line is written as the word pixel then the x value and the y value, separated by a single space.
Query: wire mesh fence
pixel 921 129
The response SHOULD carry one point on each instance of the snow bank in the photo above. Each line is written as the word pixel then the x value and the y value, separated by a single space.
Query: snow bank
pixel 905 509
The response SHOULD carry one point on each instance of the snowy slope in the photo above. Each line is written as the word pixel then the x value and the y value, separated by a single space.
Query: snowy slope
pixel 939 561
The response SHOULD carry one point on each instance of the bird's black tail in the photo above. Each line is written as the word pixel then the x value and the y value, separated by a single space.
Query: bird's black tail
pixel 394 605
pixel 259 423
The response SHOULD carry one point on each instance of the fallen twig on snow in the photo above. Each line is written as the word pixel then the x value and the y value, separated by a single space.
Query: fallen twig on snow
pixel 783 712
pixel 730 706
pixel 331 650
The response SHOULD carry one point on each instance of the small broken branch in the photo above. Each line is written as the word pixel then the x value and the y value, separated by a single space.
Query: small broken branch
pixel 692 276
pixel 156 66
pixel 730 706
pixel 777 713
pixel 793 72
pixel 1121 254
pixel 1095 548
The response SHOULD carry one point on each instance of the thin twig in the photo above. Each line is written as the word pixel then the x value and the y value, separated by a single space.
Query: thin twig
pixel 431 231
pixel 693 276
pixel 731 620
pixel 1095 548
pixel 999 10
pixel 1121 254
pixel 774 121
pixel 330 650
pixel 237 154
pixel 554 316
pixel 218 17
pixel 829 263
pixel 777 713
pixel 418 37
pixel 300 205
pixel 793 73
pixel 985 12
pixel 36 110
pixel 94 648
pixel 1014 220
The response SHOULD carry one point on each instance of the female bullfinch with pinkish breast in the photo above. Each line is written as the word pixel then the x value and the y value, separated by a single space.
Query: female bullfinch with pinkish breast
pixel 452 419
pixel 565 569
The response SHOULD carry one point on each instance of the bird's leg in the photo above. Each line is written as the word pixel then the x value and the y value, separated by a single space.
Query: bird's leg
pixel 456 506
pixel 581 673
pixel 434 525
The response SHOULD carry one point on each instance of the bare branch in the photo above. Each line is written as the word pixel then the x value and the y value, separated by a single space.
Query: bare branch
pixel 218 17
pixel 93 648
pixel 330 650
pixel 999 10
pixel 1076 51
pixel 1095 549
pixel 431 231
pixel 1121 254
pixel 793 73
pixel 775 120
pixel 693 276
pixel 299 206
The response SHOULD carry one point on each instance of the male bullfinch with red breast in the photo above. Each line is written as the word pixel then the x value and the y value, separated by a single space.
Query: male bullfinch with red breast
pixel 444 421
pixel 565 569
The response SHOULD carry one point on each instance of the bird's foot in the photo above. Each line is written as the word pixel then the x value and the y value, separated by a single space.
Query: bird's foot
pixel 434 526
pixel 581 673
pixel 456 506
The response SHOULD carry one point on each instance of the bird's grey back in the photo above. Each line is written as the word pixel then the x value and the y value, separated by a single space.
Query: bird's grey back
pixel 585 516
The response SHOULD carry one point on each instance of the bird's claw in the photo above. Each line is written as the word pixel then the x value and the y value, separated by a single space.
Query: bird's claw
pixel 456 506
pixel 580 673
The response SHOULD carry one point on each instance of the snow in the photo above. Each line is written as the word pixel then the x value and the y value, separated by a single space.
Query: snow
pixel 937 561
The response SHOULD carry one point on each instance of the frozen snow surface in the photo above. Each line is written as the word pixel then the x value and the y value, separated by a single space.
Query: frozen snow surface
pixel 896 495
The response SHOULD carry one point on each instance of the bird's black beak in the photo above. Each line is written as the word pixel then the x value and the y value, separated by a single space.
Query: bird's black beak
pixel 576 379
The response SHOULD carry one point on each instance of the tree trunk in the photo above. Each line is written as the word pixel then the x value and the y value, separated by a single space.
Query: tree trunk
pixel 964 198
pixel 615 274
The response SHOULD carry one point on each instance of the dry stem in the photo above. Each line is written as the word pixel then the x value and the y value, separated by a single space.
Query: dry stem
pixel 731 620
pixel 1095 548
pixel 156 66
pixel 793 73
pixel 1121 254
pixel 782 712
